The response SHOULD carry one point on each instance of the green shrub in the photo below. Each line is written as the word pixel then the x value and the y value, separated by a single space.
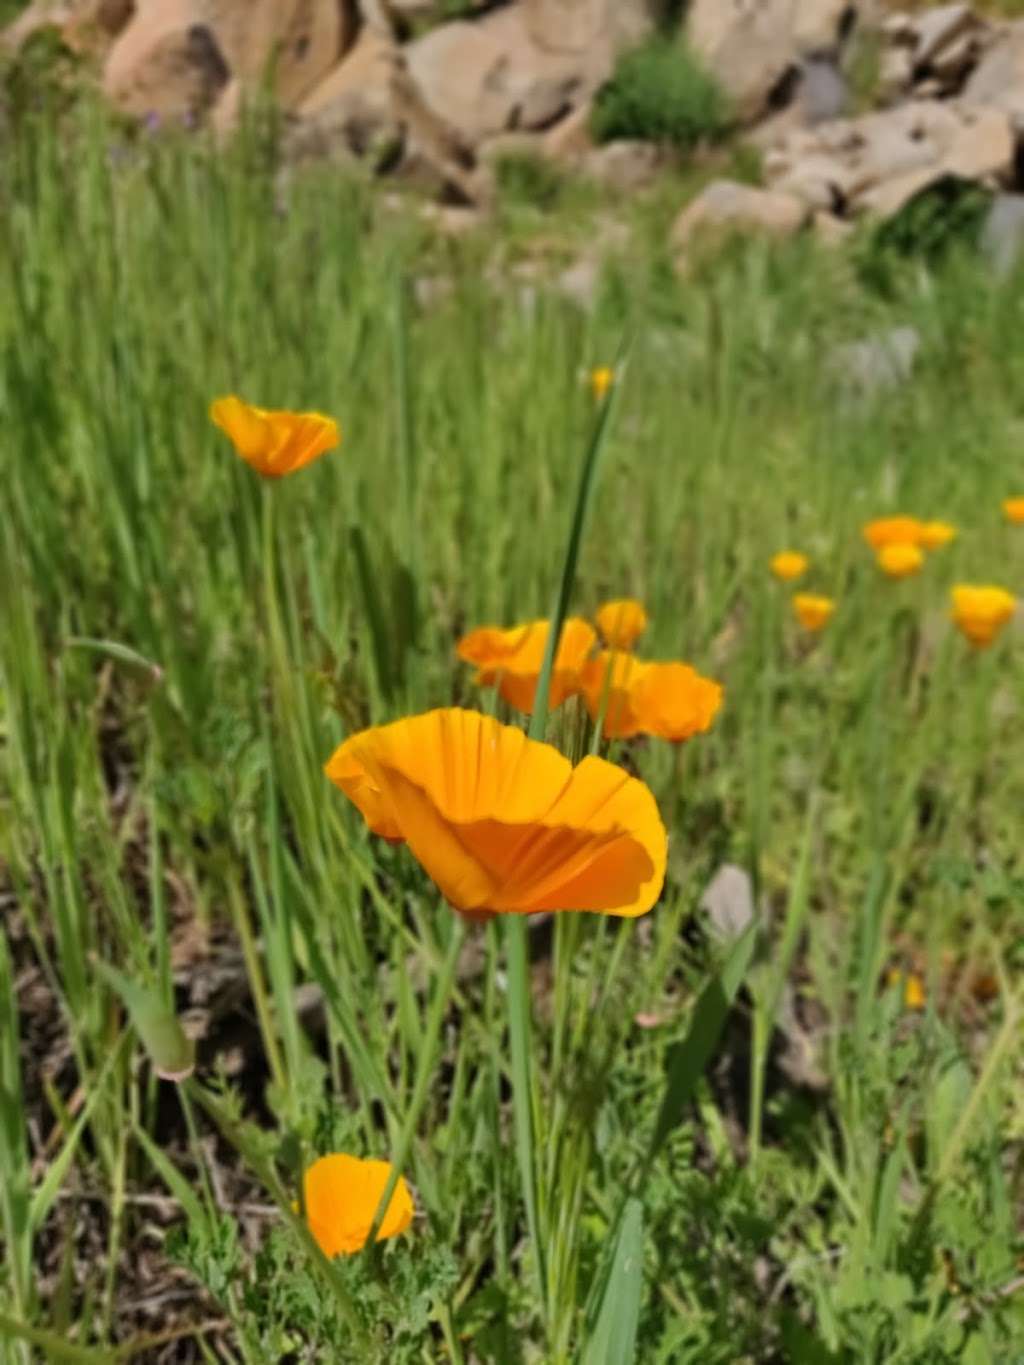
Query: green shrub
pixel 661 93
pixel 948 217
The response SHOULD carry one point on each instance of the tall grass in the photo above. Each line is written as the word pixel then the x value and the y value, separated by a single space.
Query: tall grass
pixel 161 789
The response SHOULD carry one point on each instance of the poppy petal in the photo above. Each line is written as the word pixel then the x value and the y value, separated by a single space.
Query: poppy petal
pixel 512 659
pixel 675 702
pixel 247 427
pixel 502 823
pixel 274 443
pixel 621 622
pixel 341 1195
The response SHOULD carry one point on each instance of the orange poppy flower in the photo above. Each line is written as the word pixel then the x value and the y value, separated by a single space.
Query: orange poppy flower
pixel 813 612
pixel 275 443
pixel 982 612
pixel 667 700
pixel 1013 509
pixel 900 560
pixel 612 678
pixel 341 1195
pixel 788 565
pixel 892 531
pixel 506 824
pixel 675 702
pixel 601 380
pixel 621 622
pixel 935 534
pixel 512 658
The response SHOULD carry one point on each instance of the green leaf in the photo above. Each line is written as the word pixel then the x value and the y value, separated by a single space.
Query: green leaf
pixel 581 508
pixel 613 1340
pixel 688 1060
pixel 122 654
pixel 51 1345
pixel 172 1054
pixel 802 1346
pixel 46 1192
pixel 191 1205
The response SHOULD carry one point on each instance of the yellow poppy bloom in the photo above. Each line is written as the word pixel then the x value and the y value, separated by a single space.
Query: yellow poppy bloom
pixel 813 612
pixel 341 1195
pixel 914 997
pixel 935 534
pixel 601 381
pixel 666 700
pixel 1013 508
pixel 513 658
pixel 503 824
pixel 621 622
pixel 789 565
pixel 275 443
pixel 981 612
pixel 892 531
pixel 900 561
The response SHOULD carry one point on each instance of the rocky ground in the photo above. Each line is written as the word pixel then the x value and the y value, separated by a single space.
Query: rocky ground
pixel 853 109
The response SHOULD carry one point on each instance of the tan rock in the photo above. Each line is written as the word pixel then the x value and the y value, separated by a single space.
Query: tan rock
pixel 452 220
pixel 152 65
pixel 972 145
pixel 585 26
pixel 727 206
pixel 304 39
pixel 892 145
pixel 748 48
pixel 93 27
pixel 887 198
pixel 87 26
pixel 570 138
pixel 751 45
pixel 436 156
pixel 818 24
pixel 488 77
pixel 227 112
pixel 624 165
pixel 984 149
pixel 39 14
pixel 166 71
pixel 953 63
pixel 899 29
pixel 936 28
pixel 820 182
pixel 581 282
pixel 895 72
pixel 998 79
pixel 830 230
pixel 353 106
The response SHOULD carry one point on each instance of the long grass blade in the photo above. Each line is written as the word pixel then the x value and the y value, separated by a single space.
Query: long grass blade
pixel 613 1339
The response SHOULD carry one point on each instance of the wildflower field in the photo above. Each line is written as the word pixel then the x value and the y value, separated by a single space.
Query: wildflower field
pixel 304 1055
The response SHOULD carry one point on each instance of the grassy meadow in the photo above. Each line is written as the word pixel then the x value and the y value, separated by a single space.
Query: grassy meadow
pixel 707 1146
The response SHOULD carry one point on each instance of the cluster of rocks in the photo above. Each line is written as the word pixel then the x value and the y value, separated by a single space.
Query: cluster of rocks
pixel 951 91
pixel 402 85
pixel 393 81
